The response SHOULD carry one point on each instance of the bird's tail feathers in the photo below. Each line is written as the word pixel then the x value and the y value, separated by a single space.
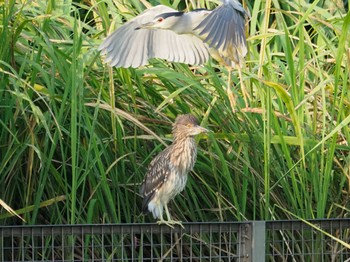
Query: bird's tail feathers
pixel 145 203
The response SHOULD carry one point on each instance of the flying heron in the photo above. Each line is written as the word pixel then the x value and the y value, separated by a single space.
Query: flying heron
pixel 186 37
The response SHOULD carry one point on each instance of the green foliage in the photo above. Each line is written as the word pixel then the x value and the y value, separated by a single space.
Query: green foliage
pixel 77 136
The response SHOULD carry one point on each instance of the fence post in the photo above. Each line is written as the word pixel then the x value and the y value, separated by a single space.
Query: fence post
pixel 258 241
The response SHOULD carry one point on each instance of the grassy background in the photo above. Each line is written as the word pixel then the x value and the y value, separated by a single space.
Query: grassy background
pixel 76 136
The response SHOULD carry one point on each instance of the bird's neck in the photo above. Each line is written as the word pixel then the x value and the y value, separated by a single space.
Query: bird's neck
pixel 184 153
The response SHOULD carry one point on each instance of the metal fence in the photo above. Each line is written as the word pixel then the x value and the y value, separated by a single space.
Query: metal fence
pixel 326 240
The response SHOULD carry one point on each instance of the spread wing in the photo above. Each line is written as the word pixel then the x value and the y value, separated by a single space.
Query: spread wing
pixel 132 46
pixel 158 171
pixel 224 30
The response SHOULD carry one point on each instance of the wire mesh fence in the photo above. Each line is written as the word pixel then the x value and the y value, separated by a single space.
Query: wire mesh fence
pixel 125 242
pixel 228 241
pixel 321 240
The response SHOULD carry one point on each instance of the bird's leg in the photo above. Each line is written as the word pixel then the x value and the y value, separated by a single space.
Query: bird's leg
pixel 161 219
pixel 170 221
pixel 244 91
pixel 230 95
pixel 167 212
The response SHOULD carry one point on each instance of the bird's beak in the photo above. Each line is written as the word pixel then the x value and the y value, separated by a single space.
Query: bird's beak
pixel 202 129
pixel 145 26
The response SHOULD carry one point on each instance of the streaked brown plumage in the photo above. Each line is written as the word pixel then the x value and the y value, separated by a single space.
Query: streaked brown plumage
pixel 167 172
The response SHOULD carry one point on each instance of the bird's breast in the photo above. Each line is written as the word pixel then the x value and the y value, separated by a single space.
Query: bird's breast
pixel 184 156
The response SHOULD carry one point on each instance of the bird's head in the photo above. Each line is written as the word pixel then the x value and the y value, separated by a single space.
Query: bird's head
pixel 164 21
pixel 187 126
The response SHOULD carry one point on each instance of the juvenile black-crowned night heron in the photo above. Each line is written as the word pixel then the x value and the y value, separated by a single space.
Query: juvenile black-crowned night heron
pixel 163 32
pixel 167 173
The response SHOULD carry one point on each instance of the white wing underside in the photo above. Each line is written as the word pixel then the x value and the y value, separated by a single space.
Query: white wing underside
pixel 129 46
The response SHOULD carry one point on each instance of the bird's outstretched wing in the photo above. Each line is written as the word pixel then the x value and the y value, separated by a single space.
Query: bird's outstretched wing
pixel 223 29
pixel 132 46
pixel 158 172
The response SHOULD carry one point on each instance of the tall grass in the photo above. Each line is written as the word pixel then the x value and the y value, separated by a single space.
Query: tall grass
pixel 76 136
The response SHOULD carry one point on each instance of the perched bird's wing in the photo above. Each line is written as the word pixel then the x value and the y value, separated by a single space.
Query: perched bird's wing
pixel 132 46
pixel 224 30
pixel 158 172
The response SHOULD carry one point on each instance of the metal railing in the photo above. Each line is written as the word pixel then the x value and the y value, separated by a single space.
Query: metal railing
pixel 322 240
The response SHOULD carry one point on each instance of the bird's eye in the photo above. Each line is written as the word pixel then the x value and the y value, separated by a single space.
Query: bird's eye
pixel 160 19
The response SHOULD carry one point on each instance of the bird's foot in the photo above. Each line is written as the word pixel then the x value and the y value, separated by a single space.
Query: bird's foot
pixel 170 223
pixel 159 222
pixel 175 222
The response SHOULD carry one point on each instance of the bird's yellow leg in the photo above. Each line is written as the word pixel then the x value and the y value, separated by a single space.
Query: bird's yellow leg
pixel 230 95
pixel 167 212
pixel 245 93
pixel 161 219
pixel 170 221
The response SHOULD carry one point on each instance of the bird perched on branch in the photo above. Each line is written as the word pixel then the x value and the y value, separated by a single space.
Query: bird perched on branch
pixel 186 37
pixel 167 173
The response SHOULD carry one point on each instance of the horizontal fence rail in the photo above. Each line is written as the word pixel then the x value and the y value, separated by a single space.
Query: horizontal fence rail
pixel 321 240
